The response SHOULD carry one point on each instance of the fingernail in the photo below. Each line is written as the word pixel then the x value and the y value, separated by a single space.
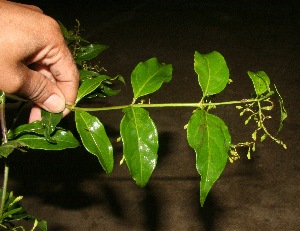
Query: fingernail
pixel 54 104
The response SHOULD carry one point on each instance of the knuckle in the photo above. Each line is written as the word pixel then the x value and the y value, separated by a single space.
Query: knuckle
pixel 52 25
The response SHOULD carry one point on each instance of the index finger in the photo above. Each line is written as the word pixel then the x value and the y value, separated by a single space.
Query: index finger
pixel 57 57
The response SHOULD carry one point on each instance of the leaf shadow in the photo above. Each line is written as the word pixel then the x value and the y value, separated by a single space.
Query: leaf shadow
pixel 113 201
pixel 165 139
pixel 54 177
pixel 151 209
pixel 209 213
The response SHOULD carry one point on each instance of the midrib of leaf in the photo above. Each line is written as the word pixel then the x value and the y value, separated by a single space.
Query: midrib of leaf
pixel 207 61
pixel 209 74
pixel 208 144
pixel 95 142
pixel 145 83
pixel 209 156
pixel 137 131
pixel 88 89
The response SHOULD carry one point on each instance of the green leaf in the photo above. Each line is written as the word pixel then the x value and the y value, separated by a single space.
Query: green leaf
pixel 283 112
pixel 94 139
pixel 49 122
pixel 85 74
pixel 64 30
pixel 70 35
pixel 64 139
pixel 7 148
pixel 107 91
pixel 42 224
pixel 208 135
pixel 11 211
pixel 140 143
pixel 34 127
pixel 119 78
pixel 147 77
pixel 75 38
pixel 14 211
pixel 213 73
pixel 89 52
pixel 260 81
pixel 44 127
pixel 88 86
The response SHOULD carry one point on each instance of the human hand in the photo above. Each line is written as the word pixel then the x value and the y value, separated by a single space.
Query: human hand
pixel 35 62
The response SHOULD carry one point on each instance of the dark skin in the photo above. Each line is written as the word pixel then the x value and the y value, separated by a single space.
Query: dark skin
pixel 35 62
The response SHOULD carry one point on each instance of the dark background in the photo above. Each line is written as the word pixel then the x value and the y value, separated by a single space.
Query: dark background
pixel 71 192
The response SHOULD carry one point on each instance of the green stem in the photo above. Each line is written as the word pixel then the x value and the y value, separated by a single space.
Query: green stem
pixel 4 137
pixel 4 188
pixel 159 105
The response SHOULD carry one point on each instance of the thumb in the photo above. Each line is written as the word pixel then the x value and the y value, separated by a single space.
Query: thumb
pixel 41 89
pixel 54 103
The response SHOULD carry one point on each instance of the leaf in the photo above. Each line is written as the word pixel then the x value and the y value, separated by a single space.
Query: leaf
pixel 64 139
pixel 49 122
pixel 85 74
pixel 140 143
pixel 14 211
pixel 119 78
pixel 64 30
pixel 147 77
pixel 34 127
pixel 44 127
pixel 11 212
pixel 213 73
pixel 89 52
pixel 88 86
pixel 94 139
pixel 42 224
pixel 107 91
pixel 7 148
pixel 261 82
pixel 283 112
pixel 208 135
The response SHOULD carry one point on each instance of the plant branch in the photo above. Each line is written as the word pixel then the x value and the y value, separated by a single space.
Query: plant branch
pixel 262 126
pixel 159 105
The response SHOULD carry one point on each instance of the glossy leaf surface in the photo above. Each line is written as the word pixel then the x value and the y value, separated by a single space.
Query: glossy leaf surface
pixel 89 52
pixel 94 139
pixel 87 74
pixel 35 127
pixel 140 143
pixel 208 135
pixel 260 81
pixel 49 122
pixel 44 127
pixel 213 73
pixel 88 86
pixel 64 139
pixel 147 77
